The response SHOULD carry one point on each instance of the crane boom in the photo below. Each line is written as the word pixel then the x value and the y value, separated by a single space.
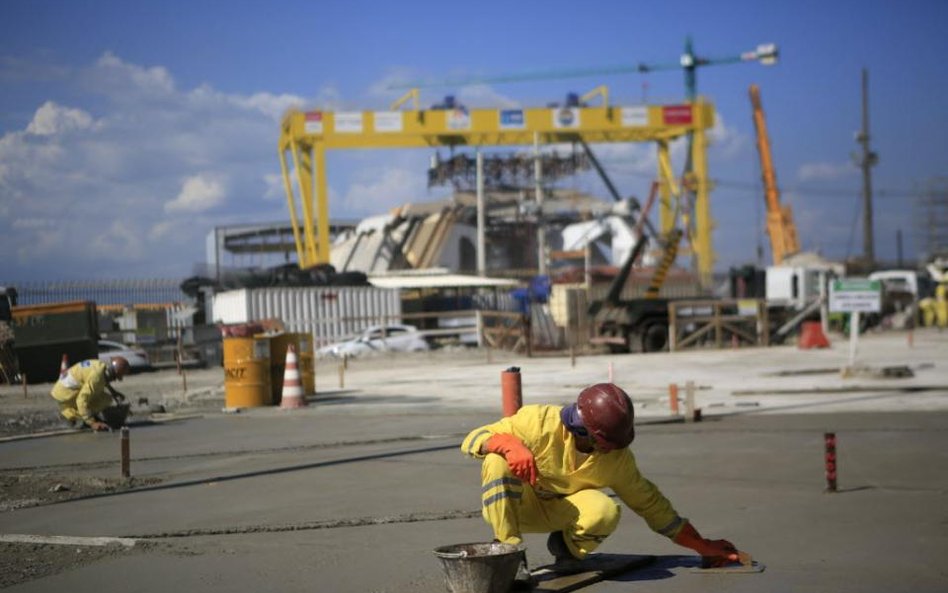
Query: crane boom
pixel 780 225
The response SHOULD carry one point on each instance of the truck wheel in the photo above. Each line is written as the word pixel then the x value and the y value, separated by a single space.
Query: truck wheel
pixel 655 338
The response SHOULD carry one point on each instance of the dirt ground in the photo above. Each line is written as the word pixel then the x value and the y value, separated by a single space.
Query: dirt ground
pixel 21 487
pixel 377 391
pixel 34 411
pixel 20 563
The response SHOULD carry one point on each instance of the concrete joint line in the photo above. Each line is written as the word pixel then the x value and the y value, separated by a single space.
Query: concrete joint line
pixel 66 540
pixel 334 524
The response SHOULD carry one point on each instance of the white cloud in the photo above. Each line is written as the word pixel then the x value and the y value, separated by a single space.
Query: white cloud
pixel 52 119
pixel 161 230
pixel 329 98
pixel 140 179
pixel 275 188
pixel 34 223
pixel 119 241
pixel 381 189
pixel 113 76
pixel 825 171
pixel 274 106
pixel 480 96
pixel 725 141
pixel 35 67
pixel 198 193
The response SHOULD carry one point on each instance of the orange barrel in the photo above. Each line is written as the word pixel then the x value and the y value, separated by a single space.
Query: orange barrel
pixel 307 362
pixel 246 372
pixel 278 346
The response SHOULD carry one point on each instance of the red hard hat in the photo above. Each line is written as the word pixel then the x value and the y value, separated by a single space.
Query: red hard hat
pixel 608 415
pixel 120 366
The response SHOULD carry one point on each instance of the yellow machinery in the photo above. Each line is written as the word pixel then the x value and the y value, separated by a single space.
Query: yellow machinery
pixel 780 225
pixel 306 136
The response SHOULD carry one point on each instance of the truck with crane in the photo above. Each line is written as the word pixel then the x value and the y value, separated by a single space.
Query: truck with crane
pixel 641 324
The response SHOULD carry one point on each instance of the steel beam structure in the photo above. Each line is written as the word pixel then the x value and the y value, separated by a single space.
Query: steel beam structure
pixel 306 136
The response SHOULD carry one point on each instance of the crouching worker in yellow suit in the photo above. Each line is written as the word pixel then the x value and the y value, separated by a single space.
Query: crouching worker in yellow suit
pixel 543 470
pixel 84 390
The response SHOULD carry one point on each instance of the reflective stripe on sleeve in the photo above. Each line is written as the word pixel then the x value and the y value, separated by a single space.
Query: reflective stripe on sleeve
pixel 670 529
pixel 473 445
pixel 69 382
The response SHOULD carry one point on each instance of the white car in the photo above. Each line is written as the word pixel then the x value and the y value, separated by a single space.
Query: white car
pixel 137 358
pixel 379 338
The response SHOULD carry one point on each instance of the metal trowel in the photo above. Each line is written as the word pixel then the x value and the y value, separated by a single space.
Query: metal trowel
pixel 745 564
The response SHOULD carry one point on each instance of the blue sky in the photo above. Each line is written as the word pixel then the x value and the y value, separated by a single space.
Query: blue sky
pixel 128 130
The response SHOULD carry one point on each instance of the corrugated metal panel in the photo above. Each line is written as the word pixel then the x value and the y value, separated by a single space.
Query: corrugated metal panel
pixel 329 314
pixel 231 307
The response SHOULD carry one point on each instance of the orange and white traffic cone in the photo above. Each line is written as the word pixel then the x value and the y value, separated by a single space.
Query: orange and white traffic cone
pixel 292 395
pixel 64 366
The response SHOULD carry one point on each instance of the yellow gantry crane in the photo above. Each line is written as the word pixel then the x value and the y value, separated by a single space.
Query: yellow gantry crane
pixel 780 226
pixel 306 136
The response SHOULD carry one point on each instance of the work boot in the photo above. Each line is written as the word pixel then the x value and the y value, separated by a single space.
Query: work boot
pixel 524 580
pixel 563 560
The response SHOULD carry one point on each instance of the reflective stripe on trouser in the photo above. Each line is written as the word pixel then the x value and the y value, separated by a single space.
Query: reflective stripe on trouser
pixel 586 518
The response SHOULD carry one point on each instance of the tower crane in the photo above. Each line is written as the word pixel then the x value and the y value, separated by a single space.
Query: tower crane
pixel 780 225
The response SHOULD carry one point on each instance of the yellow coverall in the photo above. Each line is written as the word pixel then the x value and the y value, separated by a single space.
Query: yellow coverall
pixel 567 496
pixel 81 392
pixel 941 305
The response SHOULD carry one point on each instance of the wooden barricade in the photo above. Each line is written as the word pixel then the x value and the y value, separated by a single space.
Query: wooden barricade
pixel 727 323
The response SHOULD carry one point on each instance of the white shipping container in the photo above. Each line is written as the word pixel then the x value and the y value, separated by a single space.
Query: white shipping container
pixel 329 314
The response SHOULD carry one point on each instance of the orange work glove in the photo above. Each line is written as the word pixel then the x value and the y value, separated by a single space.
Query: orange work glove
pixel 714 552
pixel 519 458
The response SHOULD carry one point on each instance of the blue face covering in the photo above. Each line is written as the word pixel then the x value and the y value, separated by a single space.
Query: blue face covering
pixel 572 420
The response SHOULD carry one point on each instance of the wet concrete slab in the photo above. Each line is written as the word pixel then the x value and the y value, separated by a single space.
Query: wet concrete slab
pixel 354 495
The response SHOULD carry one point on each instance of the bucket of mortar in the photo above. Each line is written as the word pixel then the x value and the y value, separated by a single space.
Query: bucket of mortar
pixel 479 567
pixel 115 415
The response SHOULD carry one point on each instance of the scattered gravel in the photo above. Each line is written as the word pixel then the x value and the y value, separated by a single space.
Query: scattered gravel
pixel 24 562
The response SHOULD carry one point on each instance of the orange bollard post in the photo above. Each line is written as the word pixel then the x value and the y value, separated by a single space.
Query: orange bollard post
pixel 511 390
pixel 673 397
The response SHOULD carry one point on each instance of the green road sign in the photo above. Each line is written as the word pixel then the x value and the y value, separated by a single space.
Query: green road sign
pixel 849 295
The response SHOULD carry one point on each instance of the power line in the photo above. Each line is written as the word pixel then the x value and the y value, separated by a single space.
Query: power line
pixel 819 191
pixel 826 192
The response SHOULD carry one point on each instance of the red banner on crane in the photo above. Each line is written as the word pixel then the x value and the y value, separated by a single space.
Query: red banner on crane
pixel 676 114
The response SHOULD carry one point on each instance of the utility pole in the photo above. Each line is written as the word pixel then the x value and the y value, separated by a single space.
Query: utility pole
pixel 868 160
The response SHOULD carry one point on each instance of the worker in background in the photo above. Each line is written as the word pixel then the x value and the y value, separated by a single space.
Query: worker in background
pixel 941 305
pixel 545 466
pixel 935 309
pixel 85 390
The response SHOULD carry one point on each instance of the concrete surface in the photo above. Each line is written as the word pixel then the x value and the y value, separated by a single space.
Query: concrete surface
pixel 355 491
